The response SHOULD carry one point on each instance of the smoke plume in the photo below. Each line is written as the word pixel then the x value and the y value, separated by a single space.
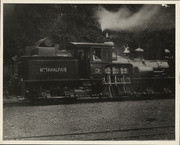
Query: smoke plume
pixel 148 16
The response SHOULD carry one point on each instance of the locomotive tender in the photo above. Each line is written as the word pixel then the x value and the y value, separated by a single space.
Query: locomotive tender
pixel 83 69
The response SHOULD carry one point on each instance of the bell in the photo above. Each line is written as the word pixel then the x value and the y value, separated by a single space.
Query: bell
pixel 126 51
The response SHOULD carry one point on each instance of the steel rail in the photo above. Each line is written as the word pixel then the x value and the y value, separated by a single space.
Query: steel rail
pixel 90 133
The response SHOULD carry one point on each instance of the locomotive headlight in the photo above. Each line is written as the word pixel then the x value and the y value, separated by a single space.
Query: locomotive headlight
pixel 115 70
pixel 108 70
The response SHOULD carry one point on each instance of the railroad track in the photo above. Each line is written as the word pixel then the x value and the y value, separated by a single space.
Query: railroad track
pixel 19 99
pixel 148 133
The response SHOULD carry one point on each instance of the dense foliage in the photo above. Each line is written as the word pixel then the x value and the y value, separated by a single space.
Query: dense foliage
pixel 25 24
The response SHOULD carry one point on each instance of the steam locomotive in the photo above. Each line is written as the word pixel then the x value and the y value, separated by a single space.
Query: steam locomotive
pixel 90 70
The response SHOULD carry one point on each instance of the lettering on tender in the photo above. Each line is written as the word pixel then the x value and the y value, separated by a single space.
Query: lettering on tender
pixel 56 69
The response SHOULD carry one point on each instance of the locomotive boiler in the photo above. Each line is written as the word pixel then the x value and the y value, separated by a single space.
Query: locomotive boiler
pixel 89 70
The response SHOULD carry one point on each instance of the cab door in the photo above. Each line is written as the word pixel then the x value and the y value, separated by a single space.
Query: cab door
pixel 84 62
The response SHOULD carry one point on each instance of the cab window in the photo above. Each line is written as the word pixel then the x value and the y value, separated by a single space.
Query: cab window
pixel 97 54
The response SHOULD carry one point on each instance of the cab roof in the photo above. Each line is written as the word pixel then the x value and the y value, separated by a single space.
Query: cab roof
pixel 87 44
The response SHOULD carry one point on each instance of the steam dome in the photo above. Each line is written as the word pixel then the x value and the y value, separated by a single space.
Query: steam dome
pixel 139 50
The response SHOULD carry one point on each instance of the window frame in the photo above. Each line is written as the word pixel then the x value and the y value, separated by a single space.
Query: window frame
pixel 104 59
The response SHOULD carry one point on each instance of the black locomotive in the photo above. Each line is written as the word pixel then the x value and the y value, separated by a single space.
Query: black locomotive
pixel 81 69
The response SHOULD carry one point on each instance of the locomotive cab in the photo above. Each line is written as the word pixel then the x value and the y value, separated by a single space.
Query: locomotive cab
pixel 93 57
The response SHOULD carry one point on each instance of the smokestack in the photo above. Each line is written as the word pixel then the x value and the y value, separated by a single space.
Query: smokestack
pixel 107 35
